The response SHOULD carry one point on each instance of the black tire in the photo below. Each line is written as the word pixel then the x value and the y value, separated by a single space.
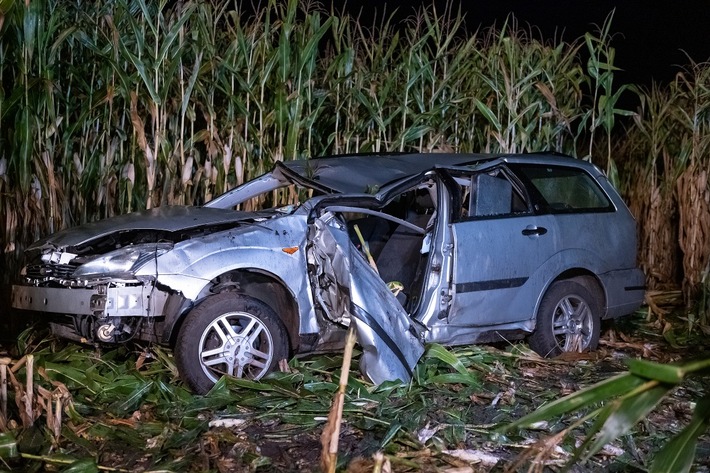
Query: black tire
pixel 244 335
pixel 568 320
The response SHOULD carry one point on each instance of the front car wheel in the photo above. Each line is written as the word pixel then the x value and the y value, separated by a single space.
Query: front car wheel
pixel 229 334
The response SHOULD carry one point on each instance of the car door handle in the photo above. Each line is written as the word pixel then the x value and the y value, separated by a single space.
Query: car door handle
pixel 533 230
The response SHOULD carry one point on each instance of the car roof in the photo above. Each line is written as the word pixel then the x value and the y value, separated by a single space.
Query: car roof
pixel 367 173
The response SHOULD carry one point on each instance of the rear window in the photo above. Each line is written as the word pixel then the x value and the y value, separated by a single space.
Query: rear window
pixel 567 189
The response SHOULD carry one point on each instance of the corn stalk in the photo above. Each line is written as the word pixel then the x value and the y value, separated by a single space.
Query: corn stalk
pixel 110 107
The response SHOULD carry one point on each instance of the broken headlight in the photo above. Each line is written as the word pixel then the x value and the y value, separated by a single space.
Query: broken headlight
pixel 121 263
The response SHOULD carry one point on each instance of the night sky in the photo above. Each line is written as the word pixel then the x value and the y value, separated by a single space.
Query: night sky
pixel 651 37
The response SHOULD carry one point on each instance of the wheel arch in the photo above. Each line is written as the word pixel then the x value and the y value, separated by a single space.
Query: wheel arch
pixel 589 280
pixel 258 284
pixel 565 322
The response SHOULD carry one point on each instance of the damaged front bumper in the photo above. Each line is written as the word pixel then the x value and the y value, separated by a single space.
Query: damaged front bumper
pixel 108 306
pixel 107 300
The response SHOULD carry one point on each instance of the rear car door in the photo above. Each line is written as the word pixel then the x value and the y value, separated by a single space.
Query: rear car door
pixel 499 248
pixel 596 228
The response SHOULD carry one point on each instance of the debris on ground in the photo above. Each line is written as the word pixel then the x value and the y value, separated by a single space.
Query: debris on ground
pixel 124 410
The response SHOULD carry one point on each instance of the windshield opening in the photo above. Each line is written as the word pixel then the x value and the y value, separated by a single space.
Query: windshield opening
pixel 281 199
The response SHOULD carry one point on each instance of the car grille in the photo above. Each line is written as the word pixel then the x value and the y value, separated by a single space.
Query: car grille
pixel 50 270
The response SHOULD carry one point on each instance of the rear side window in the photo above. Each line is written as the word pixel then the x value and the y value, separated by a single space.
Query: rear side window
pixel 566 189
pixel 490 194
pixel 493 195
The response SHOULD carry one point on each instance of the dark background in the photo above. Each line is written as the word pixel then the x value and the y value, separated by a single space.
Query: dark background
pixel 653 40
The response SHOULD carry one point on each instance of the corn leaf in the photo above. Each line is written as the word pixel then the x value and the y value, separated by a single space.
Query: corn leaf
pixel 72 377
pixel 82 466
pixel 624 414
pixel 438 352
pixel 169 39
pixel 134 399
pixel 666 373
pixel 677 455
pixel 8 445
pixel 453 378
pixel 488 115
pixel 599 392
pixel 390 434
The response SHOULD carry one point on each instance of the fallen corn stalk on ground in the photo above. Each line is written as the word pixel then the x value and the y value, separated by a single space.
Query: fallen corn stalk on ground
pixel 125 410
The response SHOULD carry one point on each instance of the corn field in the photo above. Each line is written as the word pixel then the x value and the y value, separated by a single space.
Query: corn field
pixel 109 107
pixel 665 179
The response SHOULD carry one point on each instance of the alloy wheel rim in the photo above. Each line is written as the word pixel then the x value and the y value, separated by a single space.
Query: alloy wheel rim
pixel 237 344
pixel 572 324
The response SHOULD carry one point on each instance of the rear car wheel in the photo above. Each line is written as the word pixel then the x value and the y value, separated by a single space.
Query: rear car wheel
pixel 567 320
pixel 232 335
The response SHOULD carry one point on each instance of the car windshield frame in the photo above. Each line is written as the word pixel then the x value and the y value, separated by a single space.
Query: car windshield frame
pixel 370 174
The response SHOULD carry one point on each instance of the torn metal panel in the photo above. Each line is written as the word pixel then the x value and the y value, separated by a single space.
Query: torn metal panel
pixel 248 190
pixel 329 264
pixel 349 290
pixel 390 341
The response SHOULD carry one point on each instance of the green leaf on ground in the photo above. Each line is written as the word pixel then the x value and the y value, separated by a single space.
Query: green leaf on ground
pixel 599 392
pixel 677 456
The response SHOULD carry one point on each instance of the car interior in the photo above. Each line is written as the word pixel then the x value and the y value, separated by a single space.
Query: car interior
pixel 399 251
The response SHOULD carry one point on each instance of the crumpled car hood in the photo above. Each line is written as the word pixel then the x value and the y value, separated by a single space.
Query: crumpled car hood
pixel 168 218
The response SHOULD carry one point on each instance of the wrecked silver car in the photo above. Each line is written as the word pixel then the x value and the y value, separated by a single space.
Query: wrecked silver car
pixel 464 249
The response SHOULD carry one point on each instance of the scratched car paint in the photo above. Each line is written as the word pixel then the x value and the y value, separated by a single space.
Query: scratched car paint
pixel 466 249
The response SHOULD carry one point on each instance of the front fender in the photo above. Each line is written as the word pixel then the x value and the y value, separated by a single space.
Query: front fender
pixel 278 251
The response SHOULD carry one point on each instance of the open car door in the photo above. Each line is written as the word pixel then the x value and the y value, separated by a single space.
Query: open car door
pixel 348 290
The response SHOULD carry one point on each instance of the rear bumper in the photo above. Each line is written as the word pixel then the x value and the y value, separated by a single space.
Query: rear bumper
pixel 625 290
